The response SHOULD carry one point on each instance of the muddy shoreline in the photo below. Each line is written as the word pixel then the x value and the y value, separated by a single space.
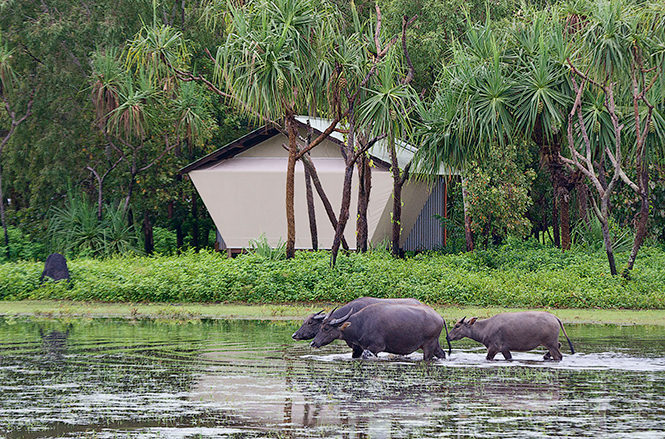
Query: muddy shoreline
pixel 288 311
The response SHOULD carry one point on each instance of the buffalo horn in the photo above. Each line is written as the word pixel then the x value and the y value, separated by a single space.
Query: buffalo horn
pixel 329 315
pixel 339 321
pixel 319 316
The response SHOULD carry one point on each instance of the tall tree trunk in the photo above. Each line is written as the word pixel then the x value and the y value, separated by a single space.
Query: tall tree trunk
pixel 564 202
pixel 195 222
pixel 641 229
pixel 397 218
pixel 555 223
pixel 148 241
pixel 344 212
pixel 399 178
pixel 364 187
pixel 468 234
pixel 310 210
pixel 290 187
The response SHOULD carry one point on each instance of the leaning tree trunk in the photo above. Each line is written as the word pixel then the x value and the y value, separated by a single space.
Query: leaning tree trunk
pixel 641 229
pixel 607 240
pixel 310 210
pixel 343 214
pixel 309 165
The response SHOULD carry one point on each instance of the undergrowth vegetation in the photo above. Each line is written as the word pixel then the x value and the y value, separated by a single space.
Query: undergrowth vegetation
pixel 526 275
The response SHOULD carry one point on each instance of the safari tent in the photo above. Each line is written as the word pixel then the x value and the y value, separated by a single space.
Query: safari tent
pixel 243 186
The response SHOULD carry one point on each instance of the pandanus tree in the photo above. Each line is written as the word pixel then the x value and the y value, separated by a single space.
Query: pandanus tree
pixel 143 116
pixel 273 65
pixel 387 112
pixel 617 69
pixel 565 81
pixel 375 102
pixel 471 111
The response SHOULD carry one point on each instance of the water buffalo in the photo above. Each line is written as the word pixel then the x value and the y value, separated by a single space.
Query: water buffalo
pixel 312 323
pixel 519 331
pixel 386 327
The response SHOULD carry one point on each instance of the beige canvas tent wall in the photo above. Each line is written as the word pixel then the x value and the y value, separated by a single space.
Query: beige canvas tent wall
pixel 243 186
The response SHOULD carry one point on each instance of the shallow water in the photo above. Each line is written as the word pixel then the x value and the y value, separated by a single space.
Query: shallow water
pixel 106 378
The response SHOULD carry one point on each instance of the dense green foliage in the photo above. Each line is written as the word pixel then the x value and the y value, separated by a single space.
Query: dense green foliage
pixel 524 275
pixel 115 123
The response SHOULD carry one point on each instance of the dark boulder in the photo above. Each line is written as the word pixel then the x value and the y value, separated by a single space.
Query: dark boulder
pixel 55 267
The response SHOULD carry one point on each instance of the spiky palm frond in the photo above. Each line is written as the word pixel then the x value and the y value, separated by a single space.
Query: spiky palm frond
pixel 158 48
pixel 271 54
pixel 134 113
pixel 388 104
pixel 6 71
pixel 107 75
pixel 608 38
pixel 192 112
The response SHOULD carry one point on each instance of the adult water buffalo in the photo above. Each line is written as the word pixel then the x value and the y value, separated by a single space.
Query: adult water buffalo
pixel 519 331
pixel 386 327
pixel 312 323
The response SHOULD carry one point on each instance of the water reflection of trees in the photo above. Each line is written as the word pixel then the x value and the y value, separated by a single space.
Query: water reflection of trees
pixel 435 400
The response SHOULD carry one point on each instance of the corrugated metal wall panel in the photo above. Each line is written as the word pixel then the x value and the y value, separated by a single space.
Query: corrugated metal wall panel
pixel 427 233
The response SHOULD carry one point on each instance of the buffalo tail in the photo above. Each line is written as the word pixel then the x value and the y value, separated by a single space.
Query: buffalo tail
pixel 450 349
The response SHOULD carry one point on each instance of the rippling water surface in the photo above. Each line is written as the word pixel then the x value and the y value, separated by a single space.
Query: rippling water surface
pixel 107 378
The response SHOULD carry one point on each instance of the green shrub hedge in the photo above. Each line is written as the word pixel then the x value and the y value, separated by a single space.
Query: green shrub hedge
pixel 511 276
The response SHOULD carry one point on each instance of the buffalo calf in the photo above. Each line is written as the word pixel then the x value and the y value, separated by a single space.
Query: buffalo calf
pixel 519 331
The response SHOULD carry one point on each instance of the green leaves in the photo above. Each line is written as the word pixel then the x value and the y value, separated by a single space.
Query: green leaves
pixel 75 230
pixel 518 274
pixel 6 71
pixel 270 61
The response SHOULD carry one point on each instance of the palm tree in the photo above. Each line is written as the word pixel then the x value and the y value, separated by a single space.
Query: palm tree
pixel 472 109
pixel 273 65
pixel 387 110
pixel 523 88
pixel 619 68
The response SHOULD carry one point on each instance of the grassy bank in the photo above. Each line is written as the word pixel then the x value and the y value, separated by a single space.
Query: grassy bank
pixel 70 309
pixel 508 277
